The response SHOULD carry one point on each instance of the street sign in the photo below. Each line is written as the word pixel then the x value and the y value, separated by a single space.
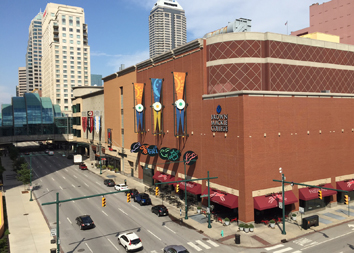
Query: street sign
pixel 301 209
pixel 281 205
pixel 53 232
pixel 208 210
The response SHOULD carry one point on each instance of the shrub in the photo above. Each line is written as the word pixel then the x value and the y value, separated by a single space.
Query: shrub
pixel 242 225
pixel 272 221
pixel 294 215
pixel 227 219
pixel 103 167
pixel 247 225
pixel 251 225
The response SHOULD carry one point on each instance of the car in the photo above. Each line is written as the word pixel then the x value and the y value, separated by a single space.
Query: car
pixel 121 187
pixel 83 166
pixel 63 154
pixel 175 249
pixel 159 210
pixel 51 153
pixel 132 192
pixel 142 199
pixel 27 153
pixel 109 182
pixel 130 241
pixel 85 222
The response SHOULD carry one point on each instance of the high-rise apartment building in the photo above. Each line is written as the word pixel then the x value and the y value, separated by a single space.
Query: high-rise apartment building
pixel 167 27
pixel 66 53
pixel 21 88
pixel 34 54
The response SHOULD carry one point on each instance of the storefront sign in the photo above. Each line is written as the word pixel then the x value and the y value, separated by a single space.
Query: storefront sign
pixel 135 147
pixel 109 136
pixel 276 197
pixel 174 154
pixel 163 153
pixel 219 122
pixel 217 194
pixel 190 157
pixel 152 150
pixel 144 149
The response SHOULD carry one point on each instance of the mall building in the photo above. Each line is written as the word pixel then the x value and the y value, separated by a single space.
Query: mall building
pixel 240 106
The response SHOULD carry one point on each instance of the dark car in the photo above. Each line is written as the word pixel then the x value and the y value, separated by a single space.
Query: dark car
pixel 143 199
pixel 85 222
pixel 109 182
pixel 83 166
pixel 27 153
pixel 133 193
pixel 159 210
pixel 175 249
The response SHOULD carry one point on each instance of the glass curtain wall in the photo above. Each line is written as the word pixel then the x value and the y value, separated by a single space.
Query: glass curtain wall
pixel 20 116
pixel 34 113
pixel 47 116
pixel 7 120
pixel 57 111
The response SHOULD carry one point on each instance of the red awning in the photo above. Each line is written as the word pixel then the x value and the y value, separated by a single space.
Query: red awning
pixel 162 177
pixel 312 193
pixel 346 185
pixel 192 187
pixel 272 201
pixel 222 198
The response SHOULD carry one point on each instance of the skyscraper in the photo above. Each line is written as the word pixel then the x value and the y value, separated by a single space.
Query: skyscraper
pixel 66 53
pixel 34 54
pixel 21 88
pixel 167 27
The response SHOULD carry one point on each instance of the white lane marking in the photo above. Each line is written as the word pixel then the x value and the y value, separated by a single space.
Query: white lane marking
pixel 97 183
pixel 274 247
pixel 61 187
pixel 194 246
pixel 104 213
pixel 75 176
pixel 88 247
pixel 212 243
pixel 283 250
pixel 122 211
pixel 113 244
pixel 202 244
pixel 86 184
pixel 136 207
pixel 47 189
pixel 53 179
pixel 153 234
pixel 298 251
pixel 64 177
pixel 69 220
pixel 170 230
pixel 310 246
pixel 73 185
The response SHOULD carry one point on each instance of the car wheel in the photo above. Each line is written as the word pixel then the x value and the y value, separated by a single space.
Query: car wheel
pixel 134 200
pixel 126 249
pixel 140 203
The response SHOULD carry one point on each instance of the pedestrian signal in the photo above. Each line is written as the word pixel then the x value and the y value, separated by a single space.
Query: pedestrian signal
pixel 177 187
pixel 103 201
pixel 157 191
pixel 320 194
pixel 346 199
pixel 128 197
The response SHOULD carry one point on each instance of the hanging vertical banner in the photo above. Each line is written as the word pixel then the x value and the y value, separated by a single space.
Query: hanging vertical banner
pixel 109 136
pixel 97 124
pixel 156 85
pixel 179 79
pixel 139 90
pixel 84 123
pixel 88 124
pixel 91 124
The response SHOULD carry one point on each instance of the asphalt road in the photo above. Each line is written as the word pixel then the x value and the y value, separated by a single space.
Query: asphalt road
pixel 54 174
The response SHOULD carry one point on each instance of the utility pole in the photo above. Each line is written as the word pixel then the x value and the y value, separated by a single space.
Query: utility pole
pixel 31 199
pixel 283 203
pixel 100 163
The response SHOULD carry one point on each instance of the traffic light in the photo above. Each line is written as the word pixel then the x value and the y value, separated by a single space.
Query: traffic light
pixel 320 194
pixel 177 187
pixel 128 197
pixel 346 199
pixel 157 191
pixel 103 201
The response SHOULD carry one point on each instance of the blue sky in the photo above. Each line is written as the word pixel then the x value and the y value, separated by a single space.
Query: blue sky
pixel 118 30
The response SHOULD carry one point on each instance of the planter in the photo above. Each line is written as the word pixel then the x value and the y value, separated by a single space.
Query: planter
pixel 251 229
pixel 272 225
pixel 198 211
pixel 246 230
pixel 293 217
pixel 241 228
pixel 227 223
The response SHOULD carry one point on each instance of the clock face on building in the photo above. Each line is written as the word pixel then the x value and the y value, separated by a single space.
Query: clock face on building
pixel 180 104
pixel 139 107
pixel 157 106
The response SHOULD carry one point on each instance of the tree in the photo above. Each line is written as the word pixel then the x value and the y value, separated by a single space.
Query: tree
pixel 13 152
pixel 18 163
pixel 23 174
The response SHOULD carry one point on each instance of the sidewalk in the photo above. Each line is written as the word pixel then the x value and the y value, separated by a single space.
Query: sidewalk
pixel 263 236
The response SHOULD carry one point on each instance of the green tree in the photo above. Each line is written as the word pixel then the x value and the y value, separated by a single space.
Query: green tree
pixel 13 152
pixel 18 163
pixel 23 174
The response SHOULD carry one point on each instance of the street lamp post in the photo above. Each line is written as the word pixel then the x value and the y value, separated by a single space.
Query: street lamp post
pixel 31 199
pixel 100 163
pixel 283 203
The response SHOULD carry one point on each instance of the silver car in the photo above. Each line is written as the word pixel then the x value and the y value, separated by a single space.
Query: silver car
pixel 175 249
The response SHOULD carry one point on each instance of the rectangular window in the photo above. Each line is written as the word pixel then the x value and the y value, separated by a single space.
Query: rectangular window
pixel 78 67
pixel 56 47
pixel 85 63
pixel 64 52
pixel 72 72
pixel 79 72
pixel 65 86
pixel 56 61
pixel 57 71
pixel 64 66
pixel 79 81
pixel 72 62
pixel 58 90
pixel 64 47
pixel 65 81
pixel 79 48
pixel 71 42
pixel 71 53
pixel 65 71
pixel 65 76
pixel 64 62
pixel 58 86
pixel 77 30
pixel 57 57
pixel 65 101
pixel 64 34
pixel 56 66
pixel 78 36
pixel 78 53
pixel 63 29
pixel 58 96
pixel 72 67
pixel 79 42
pixel 64 56
pixel 65 90
pixel 66 109
pixel 79 63
pixel 79 77
pixel 71 35
pixel 72 81
pixel 57 51
pixel 71 48
pixel 58 101
pixel 70 30
pixel 64 40
pixel 72 77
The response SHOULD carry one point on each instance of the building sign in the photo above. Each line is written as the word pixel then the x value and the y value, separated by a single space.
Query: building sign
pixel 109 136
pixel 135 147
pixel 152 150
pixel 163 154
pixel 144 149
pixel 174 155
pixel 219 122
pixel 190 157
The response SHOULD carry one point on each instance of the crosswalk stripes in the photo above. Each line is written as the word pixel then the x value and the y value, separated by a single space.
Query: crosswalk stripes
pixel 280 249
pixel 198 245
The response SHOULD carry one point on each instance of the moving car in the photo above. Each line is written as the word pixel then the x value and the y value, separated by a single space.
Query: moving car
pixel 51 153
pixel 132 192
pixel 83 166
pixel 27 153
pixel 130 241
pixel 84 222
pixel 109 182
pixel 120 187
pixel 175 249
pixel 159 210
pixel 143 199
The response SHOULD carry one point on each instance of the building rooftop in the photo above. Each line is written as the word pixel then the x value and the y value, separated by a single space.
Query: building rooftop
pixel 168 4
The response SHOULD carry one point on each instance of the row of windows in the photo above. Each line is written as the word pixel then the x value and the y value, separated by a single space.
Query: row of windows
pixel 71 35
pixel 71 48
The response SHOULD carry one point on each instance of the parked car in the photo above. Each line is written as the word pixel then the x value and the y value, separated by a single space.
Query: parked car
pixel 159 210
pixel 175 249
pixel 132 192
pixel 83 166
pixel 121 187
pixel 143 199
pixel 27 153
pixel 51 153
pixel 130 241
pixel 84 222
pixel 109 182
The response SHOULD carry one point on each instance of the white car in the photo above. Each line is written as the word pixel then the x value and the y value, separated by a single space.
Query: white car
pixel 121 187
pixel 130 241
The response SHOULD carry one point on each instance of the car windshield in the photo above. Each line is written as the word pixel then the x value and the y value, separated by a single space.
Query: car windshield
pixel 86 219
pixel 135 241
pixel 145 196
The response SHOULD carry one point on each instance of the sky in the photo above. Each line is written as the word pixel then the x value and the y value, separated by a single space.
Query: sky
pixel 118 30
